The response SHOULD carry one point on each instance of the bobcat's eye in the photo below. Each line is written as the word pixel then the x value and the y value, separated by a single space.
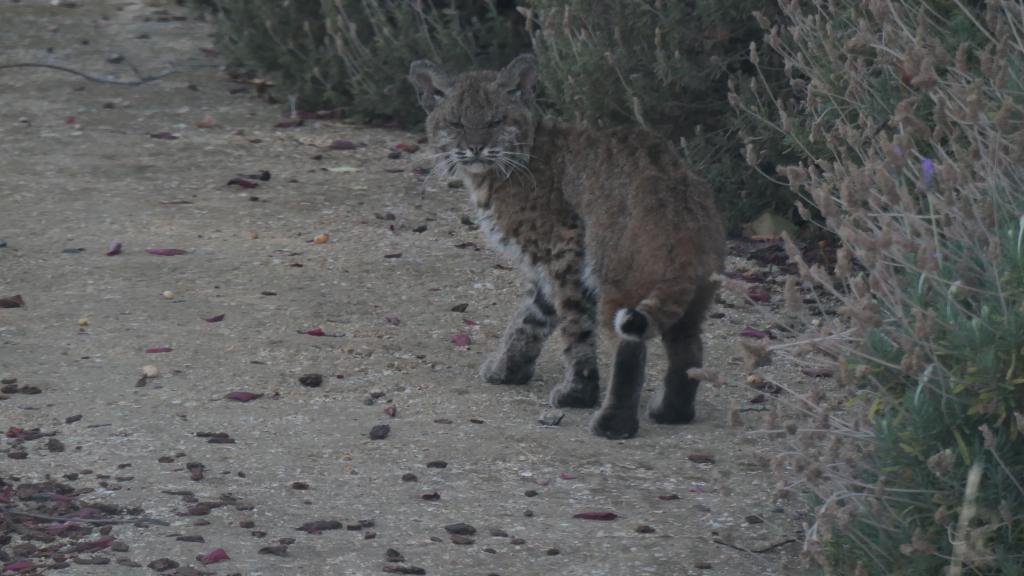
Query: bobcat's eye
pixel 496 122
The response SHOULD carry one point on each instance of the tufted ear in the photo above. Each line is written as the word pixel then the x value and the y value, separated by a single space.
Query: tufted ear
pixel 519 78
pixel 431 83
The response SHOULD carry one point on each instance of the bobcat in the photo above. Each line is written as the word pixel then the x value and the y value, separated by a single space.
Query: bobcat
pixel 610 226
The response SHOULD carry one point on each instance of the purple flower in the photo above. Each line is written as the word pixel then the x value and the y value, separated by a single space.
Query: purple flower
pixel 927 171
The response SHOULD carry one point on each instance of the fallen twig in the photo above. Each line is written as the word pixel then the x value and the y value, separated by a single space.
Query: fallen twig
pixel 139 82
pixel 755 550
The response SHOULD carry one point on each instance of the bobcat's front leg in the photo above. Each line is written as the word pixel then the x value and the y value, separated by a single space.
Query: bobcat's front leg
pixel 577 324
pixel 522 342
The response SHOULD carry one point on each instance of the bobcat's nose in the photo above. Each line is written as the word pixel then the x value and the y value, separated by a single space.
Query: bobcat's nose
pixel 476 149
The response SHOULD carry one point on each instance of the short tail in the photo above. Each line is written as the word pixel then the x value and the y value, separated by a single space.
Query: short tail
pixel 633 324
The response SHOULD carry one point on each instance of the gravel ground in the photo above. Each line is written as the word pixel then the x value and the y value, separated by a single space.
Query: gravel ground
pixel 84 164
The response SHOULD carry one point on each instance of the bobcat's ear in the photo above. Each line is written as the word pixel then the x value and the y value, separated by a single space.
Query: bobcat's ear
pixel 519 78
pixel 431 83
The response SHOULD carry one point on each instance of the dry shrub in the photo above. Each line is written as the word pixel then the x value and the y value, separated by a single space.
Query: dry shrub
pixel 908 116
pixel 355 54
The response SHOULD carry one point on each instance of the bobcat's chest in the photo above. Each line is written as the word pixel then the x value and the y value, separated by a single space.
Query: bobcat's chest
pixel 499 238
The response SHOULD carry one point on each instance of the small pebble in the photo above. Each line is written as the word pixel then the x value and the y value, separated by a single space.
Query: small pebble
pixel 392 555
pixel 530 493
pixel 460 528
pixel 380 432
pixel 645 529
pixel 150 371
pixel 300 486
pixel 552 552
pixel 168 294
pixel 83 321
pixel 409 477
pixel 311 380
pixel 528 513
pixel 437 464
pixel 517 541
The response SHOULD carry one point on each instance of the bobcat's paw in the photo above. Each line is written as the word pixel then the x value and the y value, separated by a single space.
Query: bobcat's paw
pixel 615 424
pixel 574 395
pixel 498 371
pixel 664 412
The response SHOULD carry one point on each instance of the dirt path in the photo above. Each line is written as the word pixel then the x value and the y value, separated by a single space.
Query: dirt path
pixel 80 168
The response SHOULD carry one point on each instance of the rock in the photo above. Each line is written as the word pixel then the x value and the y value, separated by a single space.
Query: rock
pixel 311 380
pixel 460 528
pixel 551 417
pixel 380 432
pixel 392 555
pixel 162 564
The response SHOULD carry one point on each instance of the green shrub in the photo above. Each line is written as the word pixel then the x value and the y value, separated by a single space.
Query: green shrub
pixel 666 66
pixel 909 122
pixel 375 41
pixel 287 40
pixel 355 54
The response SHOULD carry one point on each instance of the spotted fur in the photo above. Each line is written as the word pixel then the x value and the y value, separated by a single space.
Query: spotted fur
pixel 615 234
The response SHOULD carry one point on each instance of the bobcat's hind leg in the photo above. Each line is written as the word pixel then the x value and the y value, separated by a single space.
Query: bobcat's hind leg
pixel 514 361
pixel 673 403
pixel 619 415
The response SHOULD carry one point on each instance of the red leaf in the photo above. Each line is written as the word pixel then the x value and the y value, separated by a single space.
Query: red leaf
pixel 19 566
pixel 14 432
pixel 242 396
pixel 469 322
pixel 163 136
pixel 217 318
pixel 166 251
pixel 461 339
pixel 69 120
pixel 668 497
pixel 243 182
pixel 759 294
pixel 210 51
pixel 410 148
pixel 215 555
pixel 390 410
pixel 566 475
pixel 315 332
pixel 159 350
pixel 754 333
pixel 115 248
pixel 343 145
pixel 596 516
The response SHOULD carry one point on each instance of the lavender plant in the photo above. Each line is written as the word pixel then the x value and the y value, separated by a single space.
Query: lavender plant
pixel 908 118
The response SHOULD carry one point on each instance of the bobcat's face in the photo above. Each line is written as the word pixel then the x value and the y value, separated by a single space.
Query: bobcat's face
pixel 479 121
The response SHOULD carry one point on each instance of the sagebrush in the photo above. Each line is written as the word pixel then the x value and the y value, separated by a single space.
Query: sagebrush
pixel 908 118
